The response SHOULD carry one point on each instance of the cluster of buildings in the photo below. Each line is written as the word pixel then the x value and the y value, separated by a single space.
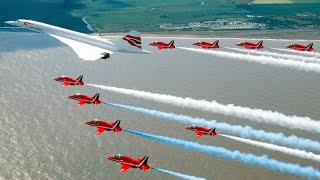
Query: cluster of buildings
pixel 213 25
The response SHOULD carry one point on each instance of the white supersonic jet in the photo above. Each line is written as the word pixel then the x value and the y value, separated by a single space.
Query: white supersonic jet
pixel 85 46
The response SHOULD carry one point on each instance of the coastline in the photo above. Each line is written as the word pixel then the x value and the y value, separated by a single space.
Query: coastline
pixel 298 35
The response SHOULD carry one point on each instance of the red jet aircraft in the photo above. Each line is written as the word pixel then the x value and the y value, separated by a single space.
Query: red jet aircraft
pixel 250 45
pixel 68 81
pixel 128 162
pixel 300 47
pixel 202 131
pixel 105 126
pixel 162 45
pixel 83 99
pixel 207 45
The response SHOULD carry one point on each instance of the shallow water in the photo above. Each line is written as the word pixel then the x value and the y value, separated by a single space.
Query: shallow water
pixel 43 135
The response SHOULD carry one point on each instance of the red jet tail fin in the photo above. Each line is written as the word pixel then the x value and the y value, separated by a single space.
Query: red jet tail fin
pixel 171 44
pixel 95 97
pixel 79 79
pixel 144 166
pixel 309 47
pixel 116 124
pixel 216 43
pixel 213 130
pixel 259 43
pixel 144 160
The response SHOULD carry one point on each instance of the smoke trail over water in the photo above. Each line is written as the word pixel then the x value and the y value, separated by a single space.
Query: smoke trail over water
pixel 280 55
pixel 282 149
pixel 250 159
pixel 178 175
pixel 255 115
pixel 242 131
pixel 306 53
pixel 278 62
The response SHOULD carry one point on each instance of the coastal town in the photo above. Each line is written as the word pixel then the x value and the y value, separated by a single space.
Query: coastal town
pixel 213 25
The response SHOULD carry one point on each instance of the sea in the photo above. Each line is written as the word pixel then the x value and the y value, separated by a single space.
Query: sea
pixel 43 135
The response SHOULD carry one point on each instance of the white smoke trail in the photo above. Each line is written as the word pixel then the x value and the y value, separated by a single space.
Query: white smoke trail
pixel 290 151
pixel 255 115
pixel 243 131
pixel 286 56
pixel 251 159
pixel 178 175
pixel 307 53
pixel 296 65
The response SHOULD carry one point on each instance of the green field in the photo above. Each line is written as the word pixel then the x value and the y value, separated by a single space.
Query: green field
pixel 147 15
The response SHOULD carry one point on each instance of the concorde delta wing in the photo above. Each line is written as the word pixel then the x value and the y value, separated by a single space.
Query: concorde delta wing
pixel 83 50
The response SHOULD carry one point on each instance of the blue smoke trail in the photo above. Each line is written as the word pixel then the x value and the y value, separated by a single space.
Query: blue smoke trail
pixel 251 159
pixel 178 175
pixel 242 131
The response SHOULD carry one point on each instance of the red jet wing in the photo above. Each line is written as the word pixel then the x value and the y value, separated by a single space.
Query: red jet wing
pixel 199 134
pixel 125 167
pixel 81 103
pixel 100 130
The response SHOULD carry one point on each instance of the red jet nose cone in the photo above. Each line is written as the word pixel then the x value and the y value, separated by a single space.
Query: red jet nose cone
pixel 109 157
pixel 87 122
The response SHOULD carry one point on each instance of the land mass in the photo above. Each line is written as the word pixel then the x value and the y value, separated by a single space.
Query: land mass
pixel 178 15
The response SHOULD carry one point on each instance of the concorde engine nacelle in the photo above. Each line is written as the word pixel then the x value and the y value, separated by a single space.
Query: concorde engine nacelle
pixel 105 56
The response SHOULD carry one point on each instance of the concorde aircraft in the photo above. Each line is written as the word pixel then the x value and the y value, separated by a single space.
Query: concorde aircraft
pixel 85 46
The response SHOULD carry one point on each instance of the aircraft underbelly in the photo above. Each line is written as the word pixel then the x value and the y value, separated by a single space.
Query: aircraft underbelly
pixel 83 50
